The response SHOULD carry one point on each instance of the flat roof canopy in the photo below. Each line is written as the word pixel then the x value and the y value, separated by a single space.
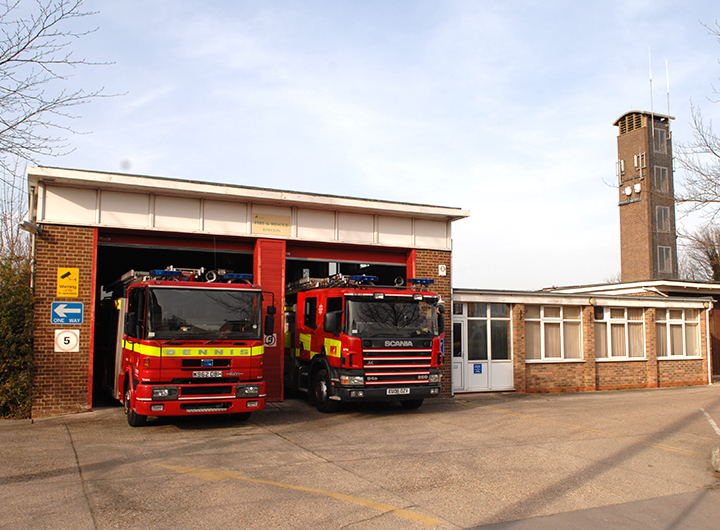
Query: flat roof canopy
pixel 116 200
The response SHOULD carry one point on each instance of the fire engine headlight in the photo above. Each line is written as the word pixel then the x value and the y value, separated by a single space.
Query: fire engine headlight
pixel 352 380
pixel 434 378
pixel 247 391
pixel 165 392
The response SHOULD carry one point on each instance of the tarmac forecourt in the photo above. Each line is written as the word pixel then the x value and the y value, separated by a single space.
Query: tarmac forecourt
pixel 508 460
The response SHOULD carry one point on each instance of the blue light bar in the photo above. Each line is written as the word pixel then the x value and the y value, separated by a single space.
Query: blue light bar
pixel 421 281
pixel 236 276
pixel 166 274
pixel 363 278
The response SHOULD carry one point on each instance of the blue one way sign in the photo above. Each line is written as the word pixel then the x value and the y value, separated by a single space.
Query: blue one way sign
pixel 67 313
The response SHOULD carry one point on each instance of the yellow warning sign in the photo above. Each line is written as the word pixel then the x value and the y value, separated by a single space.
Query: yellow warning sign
pixel 68 282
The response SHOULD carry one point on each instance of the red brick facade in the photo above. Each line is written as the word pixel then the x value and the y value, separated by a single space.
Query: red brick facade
pixel 427 264
pixel 640 195
pixel 62 380
pixel 589 373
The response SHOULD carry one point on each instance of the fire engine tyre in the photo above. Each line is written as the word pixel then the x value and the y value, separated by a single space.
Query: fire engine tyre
pixel 411 404
pixel 240 416
pixel 322 393
pixel 133 419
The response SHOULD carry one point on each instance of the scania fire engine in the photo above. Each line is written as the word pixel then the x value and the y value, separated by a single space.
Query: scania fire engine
pixel 347 339
pixel 190 341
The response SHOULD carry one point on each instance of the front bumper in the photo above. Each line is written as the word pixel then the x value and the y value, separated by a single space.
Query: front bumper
pixel 380 393
pixel 226 403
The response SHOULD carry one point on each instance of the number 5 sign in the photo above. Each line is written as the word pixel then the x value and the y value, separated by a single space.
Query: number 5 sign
pixel 67 340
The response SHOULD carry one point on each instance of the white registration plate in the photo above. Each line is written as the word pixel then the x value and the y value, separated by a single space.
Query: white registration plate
pixel 207 373
pixel 397 391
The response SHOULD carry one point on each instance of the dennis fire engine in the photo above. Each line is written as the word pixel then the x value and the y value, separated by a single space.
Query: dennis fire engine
pixel 189 342
pixel 347 339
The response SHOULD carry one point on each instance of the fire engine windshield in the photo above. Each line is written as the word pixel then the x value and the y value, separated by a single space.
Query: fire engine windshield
pixel 208 314
pixel 390 317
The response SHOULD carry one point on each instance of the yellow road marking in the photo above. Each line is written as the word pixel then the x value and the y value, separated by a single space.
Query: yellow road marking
pixel 580 428
pixel 221 474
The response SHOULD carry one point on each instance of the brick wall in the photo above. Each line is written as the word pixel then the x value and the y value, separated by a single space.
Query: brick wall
pixel 62 380
pixel 426 266
pixel 619 375
pixel 591 374
pixel 518 342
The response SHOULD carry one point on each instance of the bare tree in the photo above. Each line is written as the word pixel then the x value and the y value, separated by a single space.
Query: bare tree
pixel 14 242
pixel 701 256
pixel 35 60
pixel 700 160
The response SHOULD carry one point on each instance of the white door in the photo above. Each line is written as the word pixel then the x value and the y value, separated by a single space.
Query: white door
pixel 482 351
pixel 458 336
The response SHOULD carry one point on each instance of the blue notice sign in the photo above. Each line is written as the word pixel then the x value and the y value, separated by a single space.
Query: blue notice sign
pixel 477 368
pixel 66 313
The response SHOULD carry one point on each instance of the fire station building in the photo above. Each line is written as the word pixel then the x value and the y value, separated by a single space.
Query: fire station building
pixel 89 228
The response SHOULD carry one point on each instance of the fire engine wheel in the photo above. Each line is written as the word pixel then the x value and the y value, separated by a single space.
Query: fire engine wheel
pixel 133 419
pixel 240 416
pixel 322 393
pixel 411 404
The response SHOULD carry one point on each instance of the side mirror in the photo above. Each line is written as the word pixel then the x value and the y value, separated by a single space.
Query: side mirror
pixel 441 319
pixel 269 323
pixel 332 322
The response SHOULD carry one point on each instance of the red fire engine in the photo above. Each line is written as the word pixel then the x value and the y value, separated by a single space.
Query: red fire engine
pixel 347 339
pixel 189 342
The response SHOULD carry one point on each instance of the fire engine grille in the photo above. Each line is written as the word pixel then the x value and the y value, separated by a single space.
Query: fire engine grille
pixel 206 407
pixel 205 390
pixel 210 363
pixel 205 380
pixel 410 366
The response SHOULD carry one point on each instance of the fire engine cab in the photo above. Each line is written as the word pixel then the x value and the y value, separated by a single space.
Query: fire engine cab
pixel 347 339
pixel 189 341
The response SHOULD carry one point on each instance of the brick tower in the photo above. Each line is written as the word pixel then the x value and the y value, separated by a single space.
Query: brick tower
pixel 648 249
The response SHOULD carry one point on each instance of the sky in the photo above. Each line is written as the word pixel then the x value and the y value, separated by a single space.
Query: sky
pixel 502 108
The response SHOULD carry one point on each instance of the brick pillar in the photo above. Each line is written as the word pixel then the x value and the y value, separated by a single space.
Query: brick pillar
pixel 269 273
pixel 427 265
pixel 652 367
pixel 518 341
pixel 588 348
pixel 62 381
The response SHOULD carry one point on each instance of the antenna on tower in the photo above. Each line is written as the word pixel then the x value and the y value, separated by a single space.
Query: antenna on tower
pixel 652 111
pixel 667 75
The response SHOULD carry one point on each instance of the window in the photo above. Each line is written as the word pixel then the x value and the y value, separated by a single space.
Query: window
pixel 619 332
pixel 664 259
pixel 678 332
pixel 488 332
pixel 457 309
pixel 660 140
pixel 639 160
pixel 457 339
pixel 553 332
pixel 662 218
pixel 661 179
pixel 311 312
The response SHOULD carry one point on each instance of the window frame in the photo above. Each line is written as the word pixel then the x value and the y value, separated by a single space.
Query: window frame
pixel 610 323
pixel 663 319
pixel 664 258
pixel 560 321
pixel 659 140
pixel 661 179
pixel 662 219
pixel 488 317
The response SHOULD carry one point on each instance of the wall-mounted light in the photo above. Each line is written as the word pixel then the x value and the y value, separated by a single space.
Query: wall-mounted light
pixel 31 227
pixel 591 301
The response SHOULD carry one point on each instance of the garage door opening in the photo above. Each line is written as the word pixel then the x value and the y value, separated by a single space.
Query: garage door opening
pixel 114 260
pixel 386 274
